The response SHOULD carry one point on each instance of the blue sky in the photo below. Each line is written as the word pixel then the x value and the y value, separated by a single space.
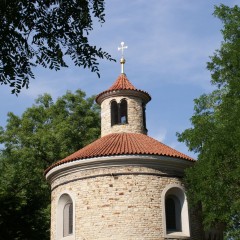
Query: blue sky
pixel 169 43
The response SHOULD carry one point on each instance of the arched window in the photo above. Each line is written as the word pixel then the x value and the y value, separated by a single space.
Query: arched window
pixel 65 217
pixel 119 113
pixel 144 115
pixel 175 211
pixel 68 219
pixel 114 113
pixel 123 112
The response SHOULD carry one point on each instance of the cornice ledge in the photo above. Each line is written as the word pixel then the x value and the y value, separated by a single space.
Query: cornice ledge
pixel 124 92
pixel 162 163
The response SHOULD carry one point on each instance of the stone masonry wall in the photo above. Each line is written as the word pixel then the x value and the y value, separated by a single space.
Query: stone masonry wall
pixel 135 116
pixel 115 203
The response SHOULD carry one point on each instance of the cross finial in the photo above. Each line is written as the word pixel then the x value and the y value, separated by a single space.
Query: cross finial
pixel 122 48
pixel 122 61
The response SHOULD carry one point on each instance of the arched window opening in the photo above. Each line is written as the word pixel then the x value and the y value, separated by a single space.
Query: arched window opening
pixel 123 112
pixel 173 213
pixel 65 217
pixel 114 113
pixel 68 219
pixel 144 115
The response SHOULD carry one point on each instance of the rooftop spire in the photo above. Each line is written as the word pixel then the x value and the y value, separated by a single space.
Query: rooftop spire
pixel 122 60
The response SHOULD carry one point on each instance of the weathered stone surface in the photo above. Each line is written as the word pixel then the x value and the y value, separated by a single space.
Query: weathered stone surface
pixel 135 116
pixel 115 203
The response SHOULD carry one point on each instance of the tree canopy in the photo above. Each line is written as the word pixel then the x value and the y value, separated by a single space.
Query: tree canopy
pixel 215 134
pixel 45 133
pixel 45 33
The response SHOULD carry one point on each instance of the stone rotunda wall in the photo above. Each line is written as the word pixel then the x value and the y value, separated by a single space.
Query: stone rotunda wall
pixel 114 203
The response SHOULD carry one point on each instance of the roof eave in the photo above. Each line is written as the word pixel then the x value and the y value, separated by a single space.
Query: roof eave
pixel 165 164
pixel 124 93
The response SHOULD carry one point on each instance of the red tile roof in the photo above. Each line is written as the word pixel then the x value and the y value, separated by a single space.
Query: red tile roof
pixel 122 83
pixel 122 144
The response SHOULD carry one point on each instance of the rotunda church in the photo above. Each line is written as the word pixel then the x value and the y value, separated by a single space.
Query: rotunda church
pixel 125 185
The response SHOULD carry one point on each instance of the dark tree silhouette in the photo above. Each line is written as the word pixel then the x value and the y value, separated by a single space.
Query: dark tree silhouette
pixel 44 33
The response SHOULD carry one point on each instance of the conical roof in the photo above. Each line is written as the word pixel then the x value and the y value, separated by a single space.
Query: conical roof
pixel 123 144
pixel 122 83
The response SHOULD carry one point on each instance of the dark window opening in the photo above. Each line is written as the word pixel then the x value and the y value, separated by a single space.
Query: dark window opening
pixel 173 213
pixel 123 112
pixel 144 116
pixel 170 214
pixel 119 114
pixel 114 113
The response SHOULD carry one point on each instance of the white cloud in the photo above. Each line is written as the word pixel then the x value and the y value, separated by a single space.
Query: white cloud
pixel 181 147
pixel 37 89
pixel 159 135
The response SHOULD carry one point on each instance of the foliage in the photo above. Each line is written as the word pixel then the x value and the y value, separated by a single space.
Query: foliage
pixel 215 134
pixel 44 33
pixel 46 132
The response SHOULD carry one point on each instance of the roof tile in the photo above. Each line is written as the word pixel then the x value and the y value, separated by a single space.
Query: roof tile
pixel 122 83
pixel 122 144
